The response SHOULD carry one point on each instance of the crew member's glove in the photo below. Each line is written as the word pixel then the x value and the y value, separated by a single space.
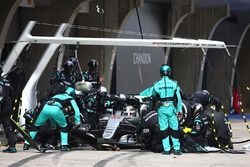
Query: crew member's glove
pixel 76 127
pixel 84 127
pixel 187 130
pixel 81 127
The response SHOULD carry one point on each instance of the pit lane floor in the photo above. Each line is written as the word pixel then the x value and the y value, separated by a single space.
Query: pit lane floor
pixel 86 157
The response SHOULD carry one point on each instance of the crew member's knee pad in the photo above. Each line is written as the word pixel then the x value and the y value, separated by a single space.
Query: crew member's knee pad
pixel 64 129
pixel 165 133
pixel 175 133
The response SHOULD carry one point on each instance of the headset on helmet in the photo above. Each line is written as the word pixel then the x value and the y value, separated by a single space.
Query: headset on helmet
pixel 165 70
pixel 70 91
pixel 93 63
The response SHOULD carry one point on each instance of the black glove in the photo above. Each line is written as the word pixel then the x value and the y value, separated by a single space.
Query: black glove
pixel 84 127
pixel 81 128
pixel 76 127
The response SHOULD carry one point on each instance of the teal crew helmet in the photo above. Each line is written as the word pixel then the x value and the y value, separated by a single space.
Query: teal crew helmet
pixel 165 70
pixel 70 91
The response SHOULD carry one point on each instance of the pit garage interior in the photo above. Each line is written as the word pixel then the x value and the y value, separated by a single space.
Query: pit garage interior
pixel 130 70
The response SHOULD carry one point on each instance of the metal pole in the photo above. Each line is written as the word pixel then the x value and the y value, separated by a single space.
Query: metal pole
pixel 18 48
pixel 174 43
pixel 29 98
pixel 6 25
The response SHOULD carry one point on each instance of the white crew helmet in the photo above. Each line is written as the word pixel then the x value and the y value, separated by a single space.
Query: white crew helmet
pixel 103 89
pixel 83 86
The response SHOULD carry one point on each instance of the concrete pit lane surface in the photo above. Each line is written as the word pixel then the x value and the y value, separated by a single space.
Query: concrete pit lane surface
pixel 88 157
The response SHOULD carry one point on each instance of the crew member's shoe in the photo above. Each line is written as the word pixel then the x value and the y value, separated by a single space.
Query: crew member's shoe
pixel 46 146
pixel 26 146
pixel 65 148
pixel 166 153
pixel 177 152
pixel 10 150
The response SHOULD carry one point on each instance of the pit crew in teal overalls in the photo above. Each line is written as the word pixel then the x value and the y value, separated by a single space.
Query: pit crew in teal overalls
pixel 92 75
pixel 56 109
pixel 167 93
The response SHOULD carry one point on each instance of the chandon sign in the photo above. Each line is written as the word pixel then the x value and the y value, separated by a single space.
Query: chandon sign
pixel 141 58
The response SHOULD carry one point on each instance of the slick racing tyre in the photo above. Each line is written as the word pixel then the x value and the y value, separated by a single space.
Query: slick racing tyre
pixel 186 107
pixel 222 130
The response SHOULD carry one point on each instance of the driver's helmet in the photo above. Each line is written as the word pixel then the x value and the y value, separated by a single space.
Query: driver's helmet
pixel 130 111
pixel 133 101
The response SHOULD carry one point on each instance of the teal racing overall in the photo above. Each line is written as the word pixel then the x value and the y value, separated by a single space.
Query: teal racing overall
pixel 53 110
pixel 167 92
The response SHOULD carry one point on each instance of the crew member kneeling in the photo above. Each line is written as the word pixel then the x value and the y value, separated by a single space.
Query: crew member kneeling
pixel 54 109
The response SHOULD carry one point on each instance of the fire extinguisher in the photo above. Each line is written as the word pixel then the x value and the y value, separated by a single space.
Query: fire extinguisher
pixel 236 101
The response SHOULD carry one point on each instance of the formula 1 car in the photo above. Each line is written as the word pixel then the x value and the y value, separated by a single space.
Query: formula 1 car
pixel 112 122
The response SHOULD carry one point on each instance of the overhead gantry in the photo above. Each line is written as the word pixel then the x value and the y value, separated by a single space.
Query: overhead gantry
pixel 29 99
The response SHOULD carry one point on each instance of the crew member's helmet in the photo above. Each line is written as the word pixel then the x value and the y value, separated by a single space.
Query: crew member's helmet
pixel 68 67
pixel 70 91
pixel 83 86
pixel 165 70
pixel 92 63
pixel 122 96
pixel 205 92
pixel 103 89
pixel 197 108
pixel 73 60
